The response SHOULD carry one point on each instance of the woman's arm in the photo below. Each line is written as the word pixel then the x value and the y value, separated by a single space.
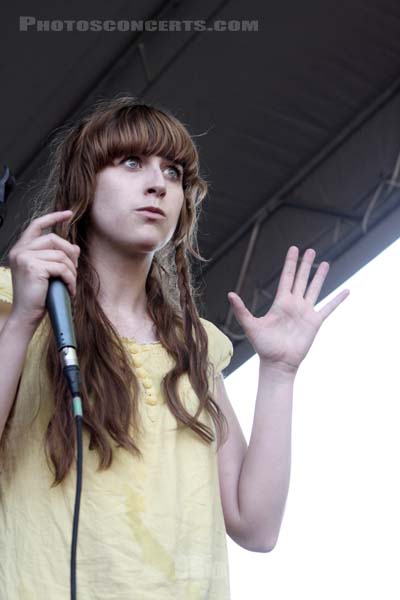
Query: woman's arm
pixel 15 336
pixel 254 479
pixel 264 479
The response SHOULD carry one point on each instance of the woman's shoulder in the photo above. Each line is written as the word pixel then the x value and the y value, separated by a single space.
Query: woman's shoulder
pixel 220 347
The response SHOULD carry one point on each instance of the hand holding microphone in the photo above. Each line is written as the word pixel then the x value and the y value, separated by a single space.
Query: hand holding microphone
pixel 36 258
pixel 41 267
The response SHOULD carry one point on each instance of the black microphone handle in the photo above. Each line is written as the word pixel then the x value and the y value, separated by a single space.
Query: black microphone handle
pixel 58 303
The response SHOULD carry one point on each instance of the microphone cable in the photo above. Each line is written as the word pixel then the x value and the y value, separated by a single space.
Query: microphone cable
pixel 78 419
pixel 58 303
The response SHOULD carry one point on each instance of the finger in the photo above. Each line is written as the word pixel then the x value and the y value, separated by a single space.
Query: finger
pixel 303 273
pixel 288 271
pixel 37 226
pixel 56 256
pixel 240 310
pixel 56 242
pixel 317 282
pixel 326 310
pixel 58 269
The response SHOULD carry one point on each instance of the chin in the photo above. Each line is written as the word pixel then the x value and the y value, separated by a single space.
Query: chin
pixel 146 248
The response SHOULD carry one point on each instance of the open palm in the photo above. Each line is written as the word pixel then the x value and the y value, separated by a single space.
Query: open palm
pixel 284 335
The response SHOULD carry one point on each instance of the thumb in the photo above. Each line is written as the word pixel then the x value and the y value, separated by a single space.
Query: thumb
pixel 243 315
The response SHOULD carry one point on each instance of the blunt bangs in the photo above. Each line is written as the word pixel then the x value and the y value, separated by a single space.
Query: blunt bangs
pixel 141 130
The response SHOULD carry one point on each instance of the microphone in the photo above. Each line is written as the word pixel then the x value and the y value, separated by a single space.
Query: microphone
pixel 58 304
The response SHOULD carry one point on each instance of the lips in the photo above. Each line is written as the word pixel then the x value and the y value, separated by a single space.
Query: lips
pixel 152 209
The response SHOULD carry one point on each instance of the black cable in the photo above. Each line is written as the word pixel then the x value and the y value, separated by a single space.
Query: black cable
pixel 77 503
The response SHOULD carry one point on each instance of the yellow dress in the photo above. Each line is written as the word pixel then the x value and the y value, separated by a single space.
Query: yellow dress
pixel 148 530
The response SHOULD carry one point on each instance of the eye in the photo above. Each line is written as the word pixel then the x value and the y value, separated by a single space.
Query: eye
pixel 131 159
pixel 177 171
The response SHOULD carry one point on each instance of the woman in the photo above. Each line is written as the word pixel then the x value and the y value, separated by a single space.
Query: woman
pixel 156 503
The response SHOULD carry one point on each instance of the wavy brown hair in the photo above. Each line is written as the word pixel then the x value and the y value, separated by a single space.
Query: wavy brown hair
pixel 110 390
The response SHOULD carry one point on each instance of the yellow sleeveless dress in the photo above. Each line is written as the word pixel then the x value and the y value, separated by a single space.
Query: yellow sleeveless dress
pixel 150 529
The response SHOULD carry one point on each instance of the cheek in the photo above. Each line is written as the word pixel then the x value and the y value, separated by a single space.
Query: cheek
pixel 100 207
pixel 111 185
pixel 101 192
pixel 105 189
pixel 102 211
pixel 110 197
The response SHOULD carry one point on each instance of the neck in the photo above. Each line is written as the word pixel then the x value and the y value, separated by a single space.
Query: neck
pixel 123 283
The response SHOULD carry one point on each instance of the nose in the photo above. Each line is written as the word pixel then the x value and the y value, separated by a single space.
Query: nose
pixel 155 183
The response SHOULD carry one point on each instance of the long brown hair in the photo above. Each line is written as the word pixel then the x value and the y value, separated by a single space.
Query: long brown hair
pixel 113 128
